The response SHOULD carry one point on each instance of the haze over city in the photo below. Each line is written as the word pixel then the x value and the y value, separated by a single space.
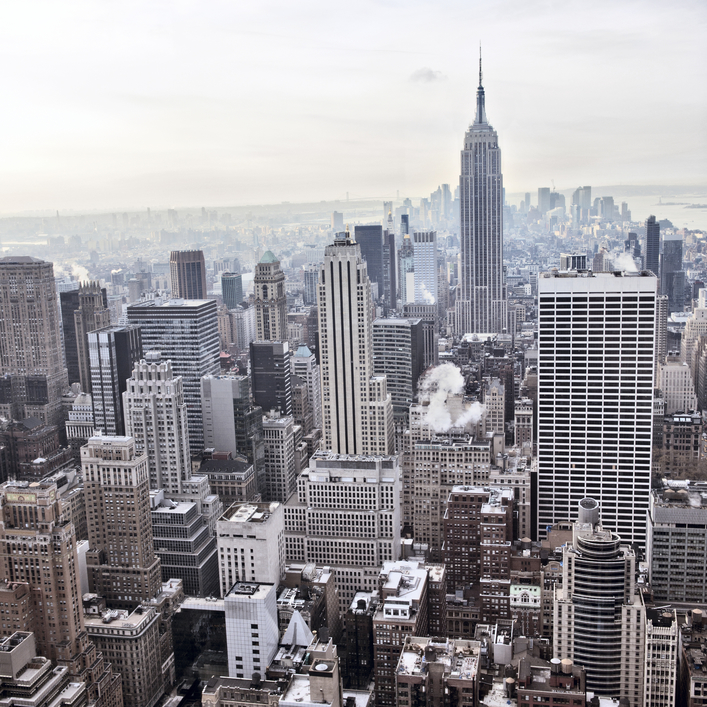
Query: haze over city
pixel 120 106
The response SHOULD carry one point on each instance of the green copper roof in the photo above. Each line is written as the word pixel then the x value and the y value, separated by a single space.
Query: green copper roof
pixel 268 257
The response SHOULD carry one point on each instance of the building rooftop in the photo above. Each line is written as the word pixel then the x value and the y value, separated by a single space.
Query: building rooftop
pixel 250 590
pixel 460 658
pixel 250 512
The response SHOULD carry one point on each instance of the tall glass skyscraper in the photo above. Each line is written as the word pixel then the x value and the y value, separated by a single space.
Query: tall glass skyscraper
pixel 482 305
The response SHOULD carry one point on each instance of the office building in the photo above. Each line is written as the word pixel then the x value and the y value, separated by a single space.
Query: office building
pixel 662 304
pixel 251 627
pixel 82 311
pixel 359 640
pixel 652 250
pixel 662 649
pixel 270 300
pixel 399 355
pixel 232 480
pixel 573 261
pixel 337 221
pixel 370 240
pixel 676 383
pixel 113 351
pixel 186 333
pixel 271 376
pixel 122 565
pixel 231 289
pixel 251 544
pixel 130 641
pixel 187 270
pixel 29 680
pixel 358 414
pixel 281 467
pixel 402 612
pixel 156 416
pixel 693 661
pixel 543 200
pixel 390 282
pixel 79 425
pixel 32 373
pixel 437 671
pixel 595 327
pixel 601 625
pixel 561 683
pixel 677 537
pixel 672 276
pixel 184 544
pixel 346 515
pixel 481 306
pixel 424 246
pixel 311 280
pixel 406 271
pixel 304 364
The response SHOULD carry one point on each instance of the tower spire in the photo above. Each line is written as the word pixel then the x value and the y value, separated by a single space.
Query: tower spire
pixel 480 98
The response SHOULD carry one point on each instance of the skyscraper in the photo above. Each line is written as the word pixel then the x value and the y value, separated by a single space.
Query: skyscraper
pixel 595 396
pixel 370 238
pixel 652 251
pixel 82 311
pixel 482 305
pixel 186 333
pixel 113 351
pixel 424 246
pixel 270 300
pixel 358 414
pixel 122 565
pixel 31 359
pixel 672 276
pixel 270 374
pixel 188 274
pixel 304 364
pixel 406 270
pixel 231 289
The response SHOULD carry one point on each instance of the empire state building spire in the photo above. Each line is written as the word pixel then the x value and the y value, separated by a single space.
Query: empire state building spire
pixel 480 98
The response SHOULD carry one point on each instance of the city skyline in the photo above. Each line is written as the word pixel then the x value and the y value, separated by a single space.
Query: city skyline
pixel 149 122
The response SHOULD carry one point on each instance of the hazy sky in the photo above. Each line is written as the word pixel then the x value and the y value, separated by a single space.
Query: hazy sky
pixel 179 103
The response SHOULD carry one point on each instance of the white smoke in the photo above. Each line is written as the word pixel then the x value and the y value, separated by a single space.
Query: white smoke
pixel 426 294
pixel 436 386
pixel 625 263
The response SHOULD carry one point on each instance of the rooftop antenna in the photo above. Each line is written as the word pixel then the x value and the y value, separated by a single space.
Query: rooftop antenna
pixel 480 72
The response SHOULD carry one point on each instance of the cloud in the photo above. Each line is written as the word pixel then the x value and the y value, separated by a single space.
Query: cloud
pixel 427 75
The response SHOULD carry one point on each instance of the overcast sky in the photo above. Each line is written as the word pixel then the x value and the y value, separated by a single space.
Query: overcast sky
pixel 132 104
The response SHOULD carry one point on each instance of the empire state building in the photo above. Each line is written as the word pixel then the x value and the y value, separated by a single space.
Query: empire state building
pixel 482 305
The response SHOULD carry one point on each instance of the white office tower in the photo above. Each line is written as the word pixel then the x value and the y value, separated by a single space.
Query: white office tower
pixel 663 641
pixel 346 515
pixel 676 382
pixel 599 617
pixel 358 412
pixel 481 306
pixel 156 416
pixel 252 632
pixel 251 544
pixel 595 397
pixel 304 364
pixel 424 246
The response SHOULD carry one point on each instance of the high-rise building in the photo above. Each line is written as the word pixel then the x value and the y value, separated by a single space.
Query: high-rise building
pixel 82 311
pixel 122 565
pixel 482 304
pixel 337 221
pixel 662 648
pixel 32 373
pixel 270 300
pixel 251 544
pixel 678 388
pixel 424 245
pixel 358 414
pixel 281 469
pixel 600 625
pixel 113 351
pixel 231 289
pixel 187 270
pixel 406 270
pixel 672 276
pixel 595 441
pixel 370 239
pixel 543 200
pixel 346 515
pixel 662 304
pixel 390 283
pixel 304 364
pixel 311 280
pixel 271 375
pixel 186 333
pixel 232 423
pixel 652 250
pixel 399 354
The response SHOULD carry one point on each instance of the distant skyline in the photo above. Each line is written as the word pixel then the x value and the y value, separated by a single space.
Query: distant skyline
pixel 183 104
